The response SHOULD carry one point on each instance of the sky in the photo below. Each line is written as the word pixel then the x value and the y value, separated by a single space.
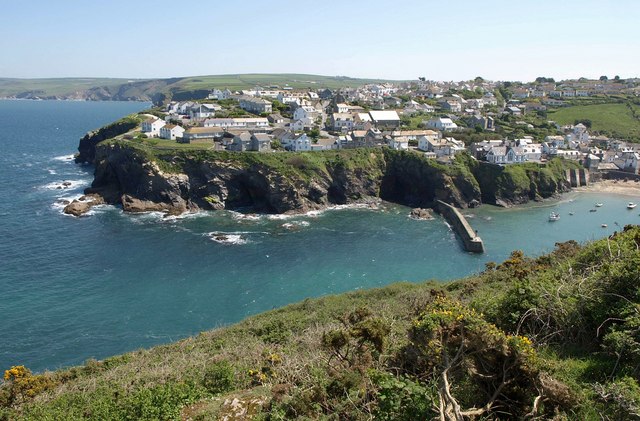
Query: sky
pixel 401 39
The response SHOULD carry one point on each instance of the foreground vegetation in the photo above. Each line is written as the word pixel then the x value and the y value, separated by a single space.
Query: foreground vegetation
pixel 551 337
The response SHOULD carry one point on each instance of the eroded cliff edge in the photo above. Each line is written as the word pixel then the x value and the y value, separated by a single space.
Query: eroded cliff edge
pixel 141 178
pixel 179 181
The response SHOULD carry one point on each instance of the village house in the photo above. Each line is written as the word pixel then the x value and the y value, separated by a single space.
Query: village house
pixel 427 140
pixel 484 122
pixel 450 105
pixel 306 113
pixel 237 123
pixel 399 143
pixel 201 134
pixel 171 132
pixel 385 119
pixel 260 142
pixel 275 119
pixel 503 155
pixel 341 121
pixel 241 142
pixel 298 143
pixel 200 111
pixel 441 123
pixel 255 105
pixel 479 150
pixel 219 95
pixel 362 121
pixel 151 126
pixel 342 108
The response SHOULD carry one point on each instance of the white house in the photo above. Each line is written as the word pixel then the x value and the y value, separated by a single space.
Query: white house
pixel 218 94
pixel 425 140
pixel 503 155
pixel 305 112
pixel 171 131
pixel 237 123
pixel 299 143
pixel 342 121
pixel 399 143
pixel 200 111
pixel 441 123
pixel 151 126
pixel 342 108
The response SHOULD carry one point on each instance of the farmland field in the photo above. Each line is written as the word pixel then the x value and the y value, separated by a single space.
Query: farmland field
pixel 615 120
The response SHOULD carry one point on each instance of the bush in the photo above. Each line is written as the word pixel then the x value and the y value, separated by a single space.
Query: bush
pixel 219 377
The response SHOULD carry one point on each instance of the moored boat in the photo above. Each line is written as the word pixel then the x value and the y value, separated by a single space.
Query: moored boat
pixel 631 205
pixel 598 205
pixel 553 216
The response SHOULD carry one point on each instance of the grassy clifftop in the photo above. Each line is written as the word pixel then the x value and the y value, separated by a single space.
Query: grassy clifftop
pixel 555 336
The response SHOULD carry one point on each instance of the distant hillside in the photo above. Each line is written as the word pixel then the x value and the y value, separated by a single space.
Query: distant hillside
pixel 159 90
pixel 620 120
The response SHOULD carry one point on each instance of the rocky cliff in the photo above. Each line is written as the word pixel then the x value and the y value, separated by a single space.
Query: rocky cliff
pixel 141 178
pixel 179 181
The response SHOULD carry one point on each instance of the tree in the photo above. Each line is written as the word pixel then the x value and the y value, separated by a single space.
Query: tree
pixel 603 78
pixel 314 133
pixel 478 79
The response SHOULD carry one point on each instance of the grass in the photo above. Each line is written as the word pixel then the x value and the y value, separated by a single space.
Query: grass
pixel 615 120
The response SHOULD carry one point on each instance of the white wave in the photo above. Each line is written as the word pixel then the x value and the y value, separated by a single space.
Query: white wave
pixel 63 158
pixel 245 216
pixel 187 215
pixel 52 172
pixel 227 238
pixel 65 185
pixel 295 225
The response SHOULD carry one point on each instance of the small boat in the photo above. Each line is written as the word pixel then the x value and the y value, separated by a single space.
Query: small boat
pixel 571 213
pixel 604 225
pixel 599 205
pixel 554 216
pixel 593 210
pixel 631 205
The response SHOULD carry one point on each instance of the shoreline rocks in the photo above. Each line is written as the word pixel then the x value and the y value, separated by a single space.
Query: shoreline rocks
pixel 421 214
pixel 82 205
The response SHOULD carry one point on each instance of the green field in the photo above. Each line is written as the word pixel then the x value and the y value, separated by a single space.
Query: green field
pixel 615 120
pixel 55 86
pixel 246 81
pixel 193 87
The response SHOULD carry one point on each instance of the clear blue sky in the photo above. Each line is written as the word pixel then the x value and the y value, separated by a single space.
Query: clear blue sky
pixel 441 40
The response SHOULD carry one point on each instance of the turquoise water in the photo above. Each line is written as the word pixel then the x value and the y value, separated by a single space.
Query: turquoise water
pixel 79 288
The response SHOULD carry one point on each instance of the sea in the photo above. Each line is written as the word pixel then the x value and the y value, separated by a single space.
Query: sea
pixel 72 288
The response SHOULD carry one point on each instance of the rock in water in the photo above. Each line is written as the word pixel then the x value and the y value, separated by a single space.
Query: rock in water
pixel 420 213
pixel 81 206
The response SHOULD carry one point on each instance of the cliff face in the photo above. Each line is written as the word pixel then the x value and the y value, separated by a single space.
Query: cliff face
pixel 272 183
pixel 516 184
pixel 87 146
pixel 141 179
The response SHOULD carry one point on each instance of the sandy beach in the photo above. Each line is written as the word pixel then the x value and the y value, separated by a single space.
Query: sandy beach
pixel 627 188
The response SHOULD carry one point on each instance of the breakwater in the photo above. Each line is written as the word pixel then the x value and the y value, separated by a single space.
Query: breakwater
pixel 471 241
